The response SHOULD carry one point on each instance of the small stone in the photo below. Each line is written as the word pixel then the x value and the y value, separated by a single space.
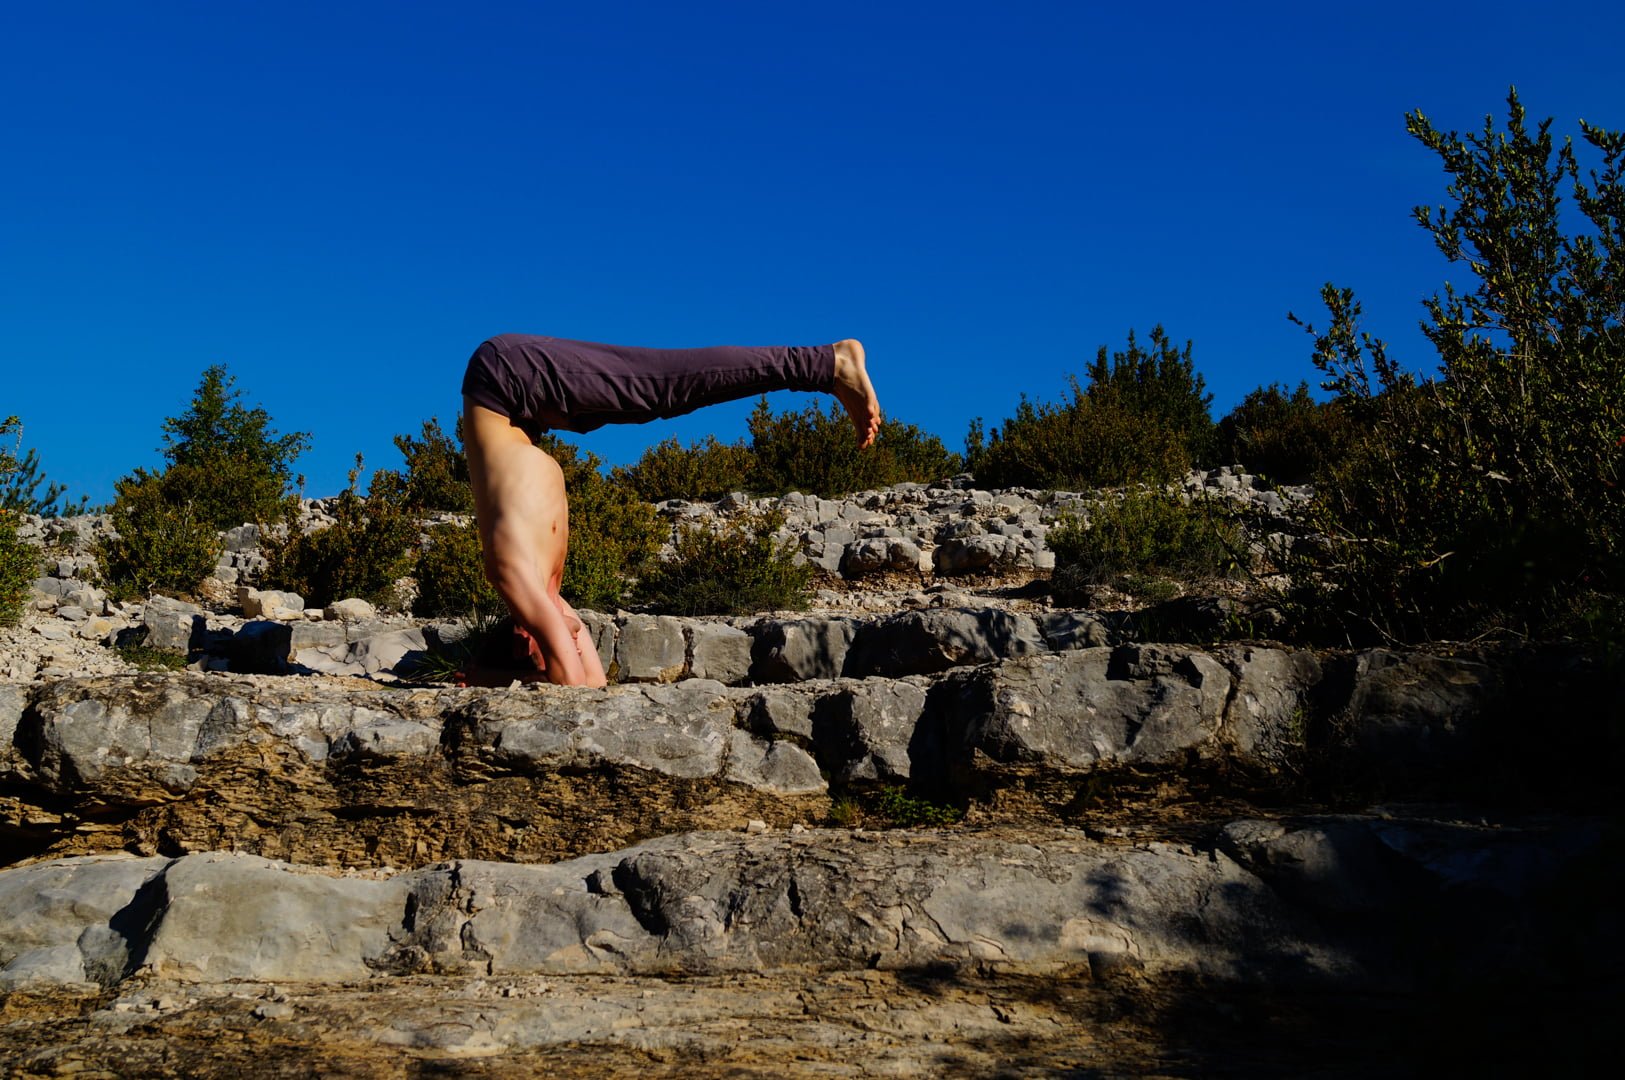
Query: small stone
pixel 756 826
pixel 273 1010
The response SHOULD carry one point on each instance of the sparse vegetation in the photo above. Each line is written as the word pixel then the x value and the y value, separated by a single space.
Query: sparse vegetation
pixel 361 554
pixel 734 569
pixel 1144 544
pixel 146 658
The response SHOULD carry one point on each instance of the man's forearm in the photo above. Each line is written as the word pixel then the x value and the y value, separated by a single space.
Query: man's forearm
pixel 541 616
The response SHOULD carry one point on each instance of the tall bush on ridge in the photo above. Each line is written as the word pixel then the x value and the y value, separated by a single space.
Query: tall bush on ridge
pixel 1491 494
pixel 704 470
pixel 814 451
pixel 436 469
pixel 224 458
pixel 1142 417
pixel 1286 437
pixel 225 466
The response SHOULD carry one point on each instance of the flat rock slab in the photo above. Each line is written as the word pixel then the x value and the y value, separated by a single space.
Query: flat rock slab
pixel 1269 905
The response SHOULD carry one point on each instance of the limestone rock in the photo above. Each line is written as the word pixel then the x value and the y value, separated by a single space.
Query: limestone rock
pixel 922 642
pixel 651 648
pixel 793 650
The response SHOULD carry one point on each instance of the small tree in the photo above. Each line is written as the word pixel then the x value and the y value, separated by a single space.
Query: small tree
pixel 1491 494
pixel 1160 384
pixel 225 459
pixel 20 478
pixel 436 469
pixel 361 554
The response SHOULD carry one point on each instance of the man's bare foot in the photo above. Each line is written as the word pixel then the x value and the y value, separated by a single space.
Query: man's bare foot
pixel 854 390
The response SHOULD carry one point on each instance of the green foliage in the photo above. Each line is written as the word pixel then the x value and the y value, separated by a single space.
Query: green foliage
pixel 162 544
pixel 735 569
pixel 1488 496
pixel 1287 438
pixel 450 573
pixel 904 811
pixel 1089 442
pixel 19 565
pixel 1145 544
pixel 226 466
pixel 487 633
pixel 705 470
pixel 613 533
pixel 146 658
pixel 436 469
pixel 225 460
pixel 20 478
pixel 814 451
pixel 1159 385
pixel 361 554
pixel 1142 418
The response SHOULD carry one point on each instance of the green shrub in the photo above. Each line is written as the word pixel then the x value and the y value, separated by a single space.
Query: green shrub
pixel 1491 496
pixel 19 565
pixel 361 554
pixel 613 533
pixel 904 811
pixel 225 460
pixel 735 569
pixel 813 451
pixel 704 470
pixel 450 572
pixel 1287 438
pixel 1088 443
pixel 161 544
pixel 1142 418
pixel 436 469
pixel 1145 544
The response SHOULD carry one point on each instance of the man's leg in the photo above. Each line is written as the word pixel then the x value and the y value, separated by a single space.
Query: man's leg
pixel 582 385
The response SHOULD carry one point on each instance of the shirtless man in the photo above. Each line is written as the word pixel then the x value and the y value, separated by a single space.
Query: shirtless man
pixel 518 386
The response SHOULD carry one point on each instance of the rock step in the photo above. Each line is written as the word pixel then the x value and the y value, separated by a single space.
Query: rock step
pixel 311 771
pixel 1306 903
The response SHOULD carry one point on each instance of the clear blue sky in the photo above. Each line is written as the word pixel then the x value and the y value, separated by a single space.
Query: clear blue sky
pixel 339 201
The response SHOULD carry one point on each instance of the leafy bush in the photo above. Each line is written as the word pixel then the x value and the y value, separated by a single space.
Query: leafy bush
pixel 361 554
pixel 705 470
pixel 450 572
pixel 19 565
pixel 161 543
pixel 735 569
pixel 1287 438
pixel 1145 544
pixel 436 469
pixel 224 460
pixel 813 451
pixel 1494 494
pixel 1142 418
pixel 613 533
pixel 1090 442
pixel 20 478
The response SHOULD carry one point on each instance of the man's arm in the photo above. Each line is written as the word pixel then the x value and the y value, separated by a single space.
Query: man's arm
pixel 539 613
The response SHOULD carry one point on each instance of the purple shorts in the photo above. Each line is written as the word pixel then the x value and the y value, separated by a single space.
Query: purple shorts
pixel 544 383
